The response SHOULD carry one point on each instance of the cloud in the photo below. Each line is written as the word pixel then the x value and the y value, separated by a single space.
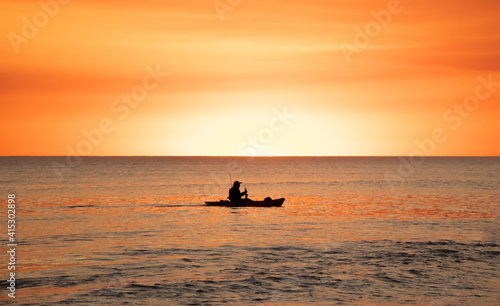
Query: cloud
pixel 265 53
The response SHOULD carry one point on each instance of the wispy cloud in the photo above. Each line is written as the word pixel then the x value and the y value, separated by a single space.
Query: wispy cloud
pixel 264 52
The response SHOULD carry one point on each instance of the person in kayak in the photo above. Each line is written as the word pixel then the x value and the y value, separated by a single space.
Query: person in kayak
pixel 235 193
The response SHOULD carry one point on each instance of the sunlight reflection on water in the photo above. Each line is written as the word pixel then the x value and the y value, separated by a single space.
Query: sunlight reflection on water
pixel 340 239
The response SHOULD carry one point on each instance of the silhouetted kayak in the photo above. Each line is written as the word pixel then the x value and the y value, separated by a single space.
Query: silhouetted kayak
pixel 248 203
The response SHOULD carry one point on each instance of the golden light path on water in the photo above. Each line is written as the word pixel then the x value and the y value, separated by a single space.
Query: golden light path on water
pixel 342 236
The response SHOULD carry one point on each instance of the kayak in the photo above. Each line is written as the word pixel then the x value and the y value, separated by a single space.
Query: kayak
pixel 249 203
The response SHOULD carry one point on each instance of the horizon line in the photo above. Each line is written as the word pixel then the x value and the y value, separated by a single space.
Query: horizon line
pixel 257 156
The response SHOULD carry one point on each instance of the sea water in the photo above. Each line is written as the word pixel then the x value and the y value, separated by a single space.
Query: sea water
pixel 352 230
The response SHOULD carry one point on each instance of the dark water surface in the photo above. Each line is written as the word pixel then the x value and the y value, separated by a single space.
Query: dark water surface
pixel 353 230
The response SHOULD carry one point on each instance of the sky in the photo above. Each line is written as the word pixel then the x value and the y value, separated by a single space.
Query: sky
pixel 250 77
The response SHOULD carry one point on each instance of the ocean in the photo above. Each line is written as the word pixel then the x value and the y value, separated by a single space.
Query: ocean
pixel 352 231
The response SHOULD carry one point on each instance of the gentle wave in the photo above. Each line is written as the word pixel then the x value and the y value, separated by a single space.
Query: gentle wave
pixel 344 273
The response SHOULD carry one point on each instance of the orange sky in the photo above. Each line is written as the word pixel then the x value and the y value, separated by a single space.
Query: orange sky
pixel 274 77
